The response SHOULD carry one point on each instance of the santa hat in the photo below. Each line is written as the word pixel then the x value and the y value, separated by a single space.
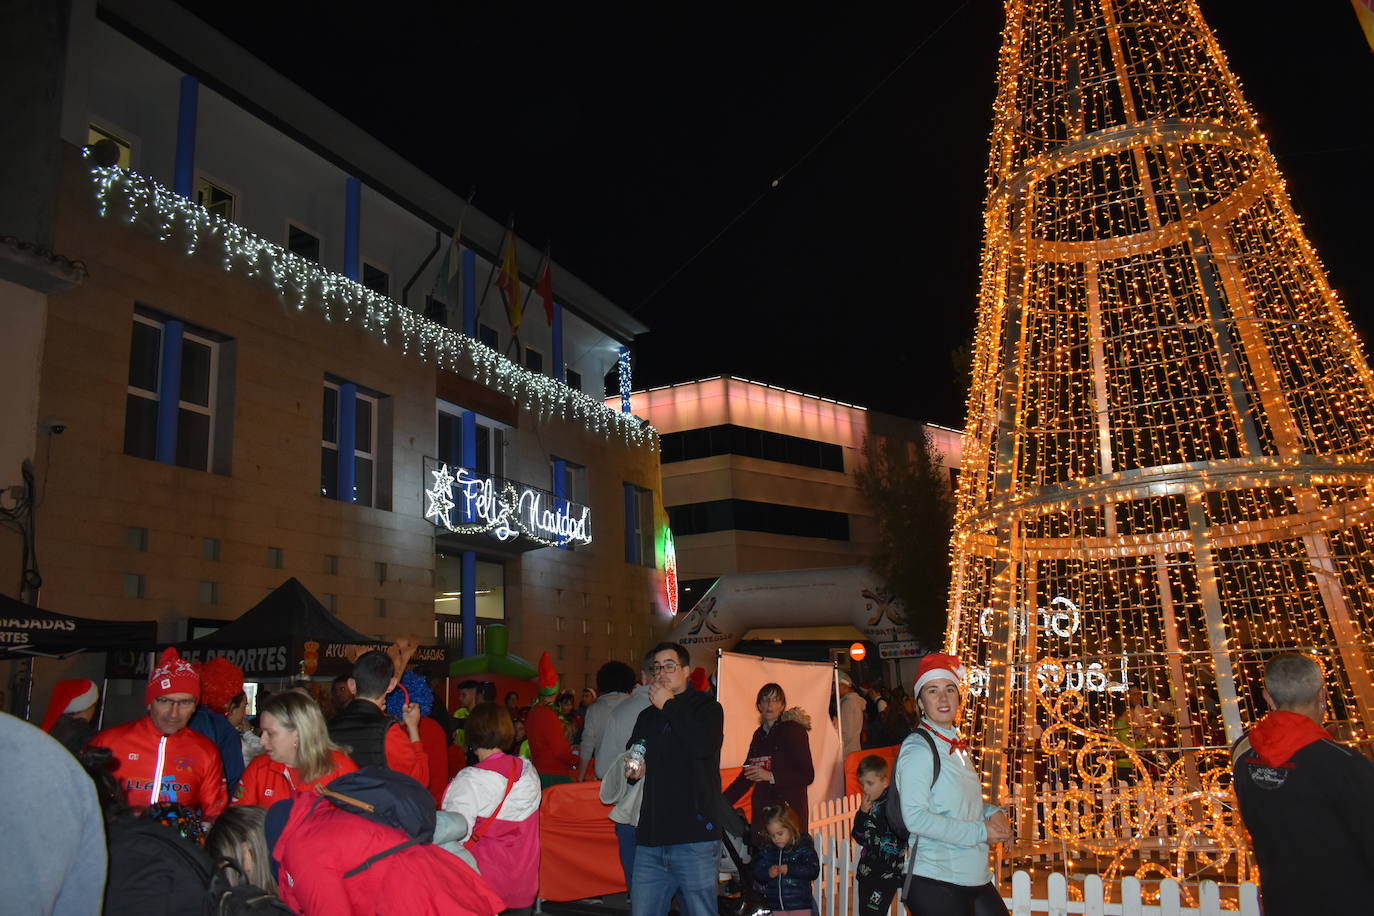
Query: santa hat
pixel 547 679
pixel 173 674
pixel 220 681
pixel 938 665
pixel 72 695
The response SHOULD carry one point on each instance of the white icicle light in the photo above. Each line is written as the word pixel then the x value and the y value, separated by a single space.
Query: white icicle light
pixel 305 283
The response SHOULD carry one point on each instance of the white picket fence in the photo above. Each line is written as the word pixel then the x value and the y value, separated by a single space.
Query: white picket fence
pixel 834 888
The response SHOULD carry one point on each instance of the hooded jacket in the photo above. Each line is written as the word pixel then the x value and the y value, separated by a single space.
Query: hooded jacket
pixel 320 843
pixel 187 762
pixel 1309 806
pixel 791 891
pixel 787 745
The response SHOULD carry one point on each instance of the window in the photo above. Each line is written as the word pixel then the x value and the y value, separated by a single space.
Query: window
pixel 138 540
pixel 573 487
pixel 95 134
pixel 639 526
pixel 489 437
pixel 749 515
pixel 436 310
pixel 534 360
pixel 209 548
pixel 214 198
pixel 488 335
pixel 302 243
pixel 185 435
pixel 274 557
pixel 349 425
pixel 751 443
pixel 133 585
pixel 376 279
pixel 331 565
pixel 209 593
pixel 574 379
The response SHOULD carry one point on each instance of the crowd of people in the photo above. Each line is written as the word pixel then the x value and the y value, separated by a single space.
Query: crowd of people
pixel 359 801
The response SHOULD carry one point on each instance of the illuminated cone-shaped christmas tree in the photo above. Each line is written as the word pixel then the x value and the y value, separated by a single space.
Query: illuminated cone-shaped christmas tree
pixel 1170 445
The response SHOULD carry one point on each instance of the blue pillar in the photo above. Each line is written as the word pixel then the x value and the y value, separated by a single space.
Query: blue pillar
pixel 558 340
pixel 631 519
pixel 467 453
pixel 184 175
pixel 348 441
pixel 467 604
pixel 353 216
pixel 470 293
pixel 560 488
pixel 169 392
pixel 625 379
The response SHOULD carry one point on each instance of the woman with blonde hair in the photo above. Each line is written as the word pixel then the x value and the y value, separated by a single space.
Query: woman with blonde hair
pixel 239 833
pixel 297 752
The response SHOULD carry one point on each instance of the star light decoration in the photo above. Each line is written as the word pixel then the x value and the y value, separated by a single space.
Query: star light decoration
pixel 1171 424
pixel 306 284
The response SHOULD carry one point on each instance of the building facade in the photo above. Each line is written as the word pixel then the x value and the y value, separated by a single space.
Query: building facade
pixel 758 478
pixel 275 343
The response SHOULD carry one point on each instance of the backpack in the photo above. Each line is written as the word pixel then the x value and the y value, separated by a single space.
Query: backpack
pixel 241 899
pixel 893 811
pixel 383 795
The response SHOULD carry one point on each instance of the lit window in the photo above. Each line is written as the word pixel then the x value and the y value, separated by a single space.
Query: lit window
pixel 126 154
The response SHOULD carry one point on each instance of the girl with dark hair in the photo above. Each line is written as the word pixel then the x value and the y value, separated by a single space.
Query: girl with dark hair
pixel 778 764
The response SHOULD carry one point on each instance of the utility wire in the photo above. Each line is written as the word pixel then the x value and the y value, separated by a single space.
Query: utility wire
pixel 776 182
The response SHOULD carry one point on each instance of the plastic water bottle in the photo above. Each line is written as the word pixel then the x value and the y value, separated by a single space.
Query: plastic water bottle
pixel 634 761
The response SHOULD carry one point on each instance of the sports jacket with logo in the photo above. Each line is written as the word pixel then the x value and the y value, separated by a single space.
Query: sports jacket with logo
pixel 266 782
pixel 1309 806
pixel 184 767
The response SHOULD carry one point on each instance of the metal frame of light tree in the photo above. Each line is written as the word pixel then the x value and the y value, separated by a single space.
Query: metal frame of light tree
pixel 1170 431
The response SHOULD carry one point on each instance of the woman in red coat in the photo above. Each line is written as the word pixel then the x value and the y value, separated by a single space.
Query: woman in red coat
pixel 297 752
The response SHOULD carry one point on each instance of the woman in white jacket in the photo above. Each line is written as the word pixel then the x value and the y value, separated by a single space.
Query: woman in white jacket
pixel 499 797
pixel 951 827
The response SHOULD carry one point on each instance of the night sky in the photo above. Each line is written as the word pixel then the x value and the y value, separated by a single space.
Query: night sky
pixel 629 135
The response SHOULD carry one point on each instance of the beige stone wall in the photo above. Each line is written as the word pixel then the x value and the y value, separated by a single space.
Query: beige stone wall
pixel 93 493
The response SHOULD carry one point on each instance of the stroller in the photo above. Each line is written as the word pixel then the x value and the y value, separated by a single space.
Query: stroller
pixel 735 839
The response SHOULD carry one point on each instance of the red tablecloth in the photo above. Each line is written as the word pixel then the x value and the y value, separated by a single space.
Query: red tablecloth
pixel 578 853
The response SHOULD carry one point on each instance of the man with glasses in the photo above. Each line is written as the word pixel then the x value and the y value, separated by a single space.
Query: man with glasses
pixel 677 842
pixel 156 757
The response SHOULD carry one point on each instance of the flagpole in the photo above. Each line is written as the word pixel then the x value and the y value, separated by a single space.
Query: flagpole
pixel 495 266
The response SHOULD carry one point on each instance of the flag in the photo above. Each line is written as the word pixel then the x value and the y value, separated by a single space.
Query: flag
pixel 508 282
pixel 544 287
pixel 1365 10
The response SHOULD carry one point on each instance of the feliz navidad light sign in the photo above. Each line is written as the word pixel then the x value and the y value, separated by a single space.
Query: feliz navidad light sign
pixel 465 501
pixel 1062 619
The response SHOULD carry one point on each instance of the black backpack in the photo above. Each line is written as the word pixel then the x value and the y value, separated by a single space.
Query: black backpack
pixel 383 795
pixel 893 809
pixel 241 899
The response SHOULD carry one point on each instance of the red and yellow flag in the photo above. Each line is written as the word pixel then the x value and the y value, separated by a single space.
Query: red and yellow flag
pixel 508 282
pixel 1365 10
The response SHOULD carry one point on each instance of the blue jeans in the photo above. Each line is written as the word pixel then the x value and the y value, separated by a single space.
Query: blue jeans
pixel 625 836
pixel 688 870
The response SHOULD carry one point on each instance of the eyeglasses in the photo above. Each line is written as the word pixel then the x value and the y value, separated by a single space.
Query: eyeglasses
pixel 166 702
pixel 665 667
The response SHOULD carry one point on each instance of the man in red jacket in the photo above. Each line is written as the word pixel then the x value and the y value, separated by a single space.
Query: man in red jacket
pixel 156 757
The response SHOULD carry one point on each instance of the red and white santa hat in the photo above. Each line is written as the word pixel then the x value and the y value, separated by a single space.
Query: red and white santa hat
pixel 173 674
pixel 937 665
pixel 72 695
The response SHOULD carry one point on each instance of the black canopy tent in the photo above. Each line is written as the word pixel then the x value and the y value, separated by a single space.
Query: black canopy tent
pixel 28 632
pixel 287 634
